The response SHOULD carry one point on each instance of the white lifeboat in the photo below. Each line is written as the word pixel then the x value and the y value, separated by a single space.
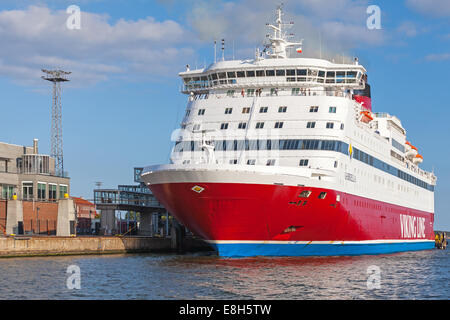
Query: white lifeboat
pixel 412 152
pixel 417 159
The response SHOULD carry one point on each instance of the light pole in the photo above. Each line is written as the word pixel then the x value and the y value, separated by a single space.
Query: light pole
pixel 37 219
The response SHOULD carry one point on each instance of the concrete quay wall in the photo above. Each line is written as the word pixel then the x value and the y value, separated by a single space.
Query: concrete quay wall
pixel 45 246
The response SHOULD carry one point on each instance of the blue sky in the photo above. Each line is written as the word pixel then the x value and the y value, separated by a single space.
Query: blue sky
pixel 123 101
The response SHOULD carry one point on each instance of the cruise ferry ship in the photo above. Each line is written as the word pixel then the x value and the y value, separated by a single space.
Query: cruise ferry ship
pixel 280 155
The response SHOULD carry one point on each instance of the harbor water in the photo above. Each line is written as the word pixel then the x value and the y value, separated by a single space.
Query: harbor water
pixel 409 275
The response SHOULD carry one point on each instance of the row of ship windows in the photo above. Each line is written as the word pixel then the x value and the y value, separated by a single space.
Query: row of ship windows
pixel 281 109
pixel 305 144
pixel 260 125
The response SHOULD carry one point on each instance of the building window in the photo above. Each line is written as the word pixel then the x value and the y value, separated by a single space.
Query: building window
pixel 228 110
pixel 270 162
pixel 303 162
pixel 330 125
pixel 52 191
pixel 224 126
pixel 242 125
pixel 27 190
pixel 62 191
pixel 278 125
pixel 314 109
pixel 41 191
pixel 245 110
pixel 7 192
pixel 201 112
pixel 251 162
pixel 259 125
pixel 282 109
pixel 263 109
pixel 311 124
pixel 332 110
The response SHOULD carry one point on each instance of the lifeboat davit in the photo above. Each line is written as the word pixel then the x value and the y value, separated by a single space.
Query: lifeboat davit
pixel 411 152
pixel 417 159
pixel 366 117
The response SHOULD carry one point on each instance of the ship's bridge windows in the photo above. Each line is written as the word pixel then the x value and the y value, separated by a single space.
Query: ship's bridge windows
pixel 281 73
pixel 270 73
pixel 250 73
pixel 290 72
pixel 231 74
pixel 222 75
pixel 187 80
pixel 214 76
pixel 304 194
pixel 330 77
pixel 301 72
pixel 240 74
pixel 260 73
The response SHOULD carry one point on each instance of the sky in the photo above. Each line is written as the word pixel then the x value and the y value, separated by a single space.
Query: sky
pixel 124 100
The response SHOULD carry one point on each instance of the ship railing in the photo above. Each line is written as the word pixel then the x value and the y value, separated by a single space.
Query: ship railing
pixel 278 93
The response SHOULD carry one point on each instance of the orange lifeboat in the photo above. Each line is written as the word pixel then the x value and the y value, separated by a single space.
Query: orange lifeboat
pixel 417 159
pixel 366 116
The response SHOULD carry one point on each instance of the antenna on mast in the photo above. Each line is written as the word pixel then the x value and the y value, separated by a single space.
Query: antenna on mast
pixel 223 49
pixel 215 51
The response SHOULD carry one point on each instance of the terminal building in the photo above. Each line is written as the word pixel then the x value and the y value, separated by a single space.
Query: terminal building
pixel 33 198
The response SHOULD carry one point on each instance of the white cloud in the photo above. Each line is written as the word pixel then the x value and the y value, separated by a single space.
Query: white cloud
pixel 437 57
pixel 435 8
pixel 37 37
pixel 341 24
pixel 408 29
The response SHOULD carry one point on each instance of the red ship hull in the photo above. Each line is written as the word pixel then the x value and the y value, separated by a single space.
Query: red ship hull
pixel 256 219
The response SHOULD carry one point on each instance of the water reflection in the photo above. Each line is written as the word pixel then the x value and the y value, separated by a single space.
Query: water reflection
pixel 421 275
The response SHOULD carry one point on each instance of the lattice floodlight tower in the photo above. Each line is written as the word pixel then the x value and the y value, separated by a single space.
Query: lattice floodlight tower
pixel 56 76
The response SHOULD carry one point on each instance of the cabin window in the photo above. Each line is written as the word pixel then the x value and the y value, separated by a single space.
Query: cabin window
pixel 263 109
pixel 282 109
pixel 196 127
pixel 245 110
pixel 224 126
pixel 270 162
pixel 270 73
pixel 311 125
pixel 304 194
pixel 290 72
pixel 281 73
pixel 242 125
pixel 231 74
pixel 330 125
pixel 251 162
pixel 233 161
pixel 250 73
pixel 303 162
pixel 322 195
pixel 278 125
pixel 228 110
pixel 259 125
pixel 314 109
pixel 201 112
pixel 332 110
pixel 301 72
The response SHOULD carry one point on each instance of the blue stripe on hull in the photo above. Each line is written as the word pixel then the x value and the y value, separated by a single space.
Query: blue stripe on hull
pixel 269 249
